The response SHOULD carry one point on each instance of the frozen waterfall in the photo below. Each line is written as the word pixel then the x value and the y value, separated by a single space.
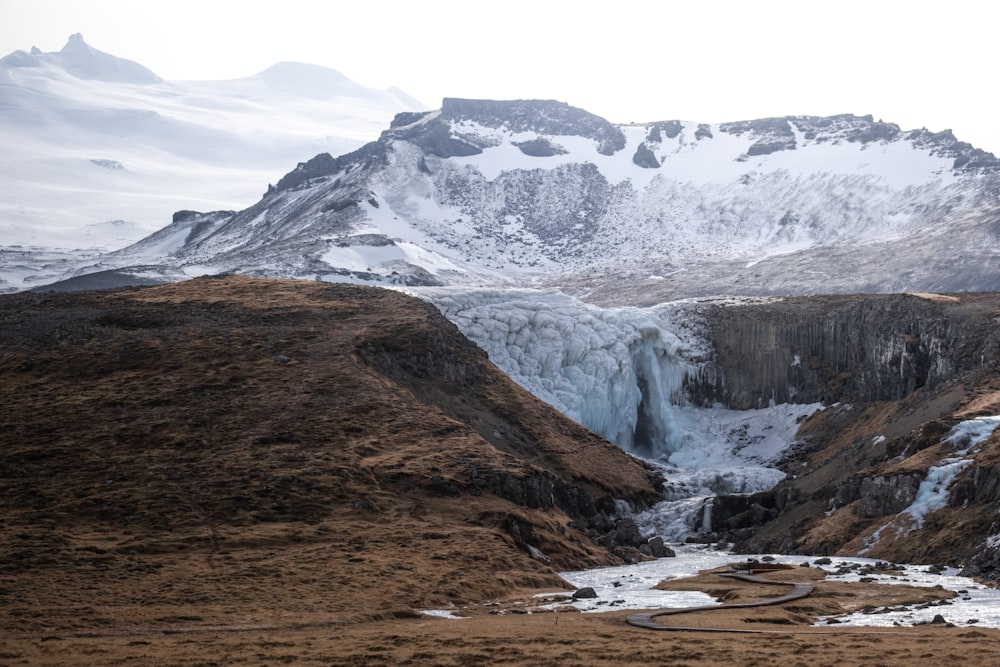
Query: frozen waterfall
pixel 616 371
pixel 620 372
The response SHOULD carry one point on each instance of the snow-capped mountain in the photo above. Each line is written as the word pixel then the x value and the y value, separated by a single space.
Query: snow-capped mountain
pixel 539 192
pixel 99 152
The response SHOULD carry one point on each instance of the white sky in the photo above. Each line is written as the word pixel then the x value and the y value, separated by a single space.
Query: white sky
pixel 918 63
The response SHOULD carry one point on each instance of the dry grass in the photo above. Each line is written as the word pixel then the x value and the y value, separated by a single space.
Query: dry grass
pixel 514 633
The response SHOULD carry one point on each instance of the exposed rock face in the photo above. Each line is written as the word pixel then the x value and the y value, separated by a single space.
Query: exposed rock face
pixel 880 495
pixel 981 485
pixel 645 158
pixel 657 548
pixel 668 128
pixel 775 134
pixel 324 165
pixel 626 533
pixel 736 512
pixel 850 349
pixel 540 147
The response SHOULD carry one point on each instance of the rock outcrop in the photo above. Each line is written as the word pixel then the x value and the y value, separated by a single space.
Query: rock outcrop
pixel 843 349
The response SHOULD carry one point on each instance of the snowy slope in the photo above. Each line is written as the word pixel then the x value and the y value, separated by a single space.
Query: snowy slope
pixel 534 192
pixel 99 152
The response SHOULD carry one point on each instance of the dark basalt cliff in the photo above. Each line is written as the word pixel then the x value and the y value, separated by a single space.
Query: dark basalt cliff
pixel 845 349
pixel 896 372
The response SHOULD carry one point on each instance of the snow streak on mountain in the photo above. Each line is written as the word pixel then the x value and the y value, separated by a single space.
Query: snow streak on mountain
pixel 539 192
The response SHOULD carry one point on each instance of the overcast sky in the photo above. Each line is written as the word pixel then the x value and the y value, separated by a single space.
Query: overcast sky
pixel 917 64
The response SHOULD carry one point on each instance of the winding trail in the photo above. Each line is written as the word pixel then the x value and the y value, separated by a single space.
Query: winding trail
pixel 799 591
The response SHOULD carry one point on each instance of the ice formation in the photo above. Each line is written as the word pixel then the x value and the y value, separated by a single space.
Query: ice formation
pixel 616 371
pixel 932 494
pixel 620 372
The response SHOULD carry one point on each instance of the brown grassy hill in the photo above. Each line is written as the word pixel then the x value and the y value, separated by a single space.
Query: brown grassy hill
pixel 236 450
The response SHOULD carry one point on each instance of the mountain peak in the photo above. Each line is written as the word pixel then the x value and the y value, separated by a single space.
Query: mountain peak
pixel 296 70
pixel 75 41
pixel 543 116
pixel 79 59
pixel 312 81
pixel 433 131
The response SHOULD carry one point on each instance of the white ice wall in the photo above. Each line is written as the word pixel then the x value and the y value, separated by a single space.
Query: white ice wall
pixel 589 363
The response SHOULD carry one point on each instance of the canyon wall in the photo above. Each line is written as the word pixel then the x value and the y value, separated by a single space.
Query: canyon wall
pixel 847 349
pixel 897 373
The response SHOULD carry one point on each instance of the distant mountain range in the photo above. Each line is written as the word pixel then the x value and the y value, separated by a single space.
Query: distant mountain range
pixel 99 151
pixel 478 192
pixel 539 193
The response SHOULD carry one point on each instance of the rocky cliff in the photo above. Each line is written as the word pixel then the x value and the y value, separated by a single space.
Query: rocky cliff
pixel 844 349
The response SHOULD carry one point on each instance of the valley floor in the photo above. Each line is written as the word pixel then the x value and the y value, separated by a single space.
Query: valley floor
pixel 491 638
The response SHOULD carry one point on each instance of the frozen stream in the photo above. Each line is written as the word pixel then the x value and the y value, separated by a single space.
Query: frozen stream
pixel 630 587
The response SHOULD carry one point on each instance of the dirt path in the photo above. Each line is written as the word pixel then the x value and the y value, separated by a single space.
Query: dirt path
pixel 799 591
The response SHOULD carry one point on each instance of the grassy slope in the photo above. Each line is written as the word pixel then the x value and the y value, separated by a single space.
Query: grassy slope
pixel 231 450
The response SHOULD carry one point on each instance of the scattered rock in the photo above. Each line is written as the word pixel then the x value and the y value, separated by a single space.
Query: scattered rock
pixel 584 593
pixel 659 549
pixel 644 158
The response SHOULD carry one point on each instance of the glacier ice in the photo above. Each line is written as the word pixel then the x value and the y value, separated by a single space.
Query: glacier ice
pixel 620 372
